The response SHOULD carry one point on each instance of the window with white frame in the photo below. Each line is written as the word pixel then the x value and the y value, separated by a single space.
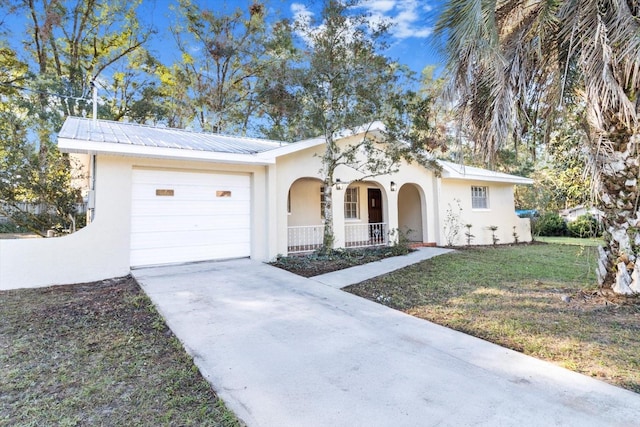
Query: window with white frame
pixel 322 201
pixel 351 207
pixel 480 197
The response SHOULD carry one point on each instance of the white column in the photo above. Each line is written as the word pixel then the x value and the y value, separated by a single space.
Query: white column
pixel 390 214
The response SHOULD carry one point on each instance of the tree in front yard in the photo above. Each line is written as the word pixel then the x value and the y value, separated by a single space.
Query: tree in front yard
pixel 47 65
pixel 35 191
pixel 515 64
pixel 344 87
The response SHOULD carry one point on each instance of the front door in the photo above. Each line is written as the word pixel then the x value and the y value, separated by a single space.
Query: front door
pixel 375 205
pixel 374 197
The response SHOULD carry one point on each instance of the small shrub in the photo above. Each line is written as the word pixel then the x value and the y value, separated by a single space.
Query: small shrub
pixel 468 234
pixel 549 224
pixel 401 244
pixel 494 238
pixel 584 226
pixel 452 223
pixel 9 227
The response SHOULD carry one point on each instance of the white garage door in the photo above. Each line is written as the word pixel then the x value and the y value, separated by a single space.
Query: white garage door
pixel 180 216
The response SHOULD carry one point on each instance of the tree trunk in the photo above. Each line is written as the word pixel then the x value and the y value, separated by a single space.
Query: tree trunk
pixel 329 166
pixel 619 193
pixel 328 236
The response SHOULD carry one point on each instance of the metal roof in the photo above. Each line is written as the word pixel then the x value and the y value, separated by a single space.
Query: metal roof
pixel 129 134
pixel 103 136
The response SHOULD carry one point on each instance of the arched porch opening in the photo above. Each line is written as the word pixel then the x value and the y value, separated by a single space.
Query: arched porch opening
pixel 305 222
pixel 366 215
pixel 410 215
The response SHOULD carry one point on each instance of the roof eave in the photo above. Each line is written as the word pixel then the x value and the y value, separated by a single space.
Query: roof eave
pixel 68 145
pixel 289 148
pixel 506 180
pixel 295 147
pixel 449 171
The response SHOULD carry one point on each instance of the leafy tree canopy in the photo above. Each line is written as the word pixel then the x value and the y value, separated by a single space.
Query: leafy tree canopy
pixel 46 75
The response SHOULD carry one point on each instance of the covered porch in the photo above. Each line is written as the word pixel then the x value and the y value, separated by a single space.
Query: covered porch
pixel 360 211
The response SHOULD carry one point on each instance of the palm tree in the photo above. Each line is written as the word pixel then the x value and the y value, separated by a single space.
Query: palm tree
pixel 516 64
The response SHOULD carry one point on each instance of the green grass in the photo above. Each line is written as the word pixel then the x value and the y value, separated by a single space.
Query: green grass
pixel 596 241
pixel 513 296
pixel 97 354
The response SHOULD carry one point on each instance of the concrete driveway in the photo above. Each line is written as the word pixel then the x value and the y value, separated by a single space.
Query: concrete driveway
pixel 282 350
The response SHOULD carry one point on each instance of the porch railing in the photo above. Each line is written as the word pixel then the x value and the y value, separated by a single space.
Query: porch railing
pixel 362 235
pixel 304 238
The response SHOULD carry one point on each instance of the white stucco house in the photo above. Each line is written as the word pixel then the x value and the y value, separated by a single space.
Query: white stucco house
pixel 160 195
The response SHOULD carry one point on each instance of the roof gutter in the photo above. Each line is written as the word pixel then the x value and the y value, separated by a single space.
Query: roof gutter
pixel 68 145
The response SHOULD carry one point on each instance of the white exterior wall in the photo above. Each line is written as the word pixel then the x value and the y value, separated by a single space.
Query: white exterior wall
pixel 98 251
pixel 500 213
pixel 102 249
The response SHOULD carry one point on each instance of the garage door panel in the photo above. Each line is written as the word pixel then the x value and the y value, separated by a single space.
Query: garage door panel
pixel 148 192
pixel 176 239
pixel 204 216
pixel 191 254
pixel 151 208
pixel 221 222
pixel 151 176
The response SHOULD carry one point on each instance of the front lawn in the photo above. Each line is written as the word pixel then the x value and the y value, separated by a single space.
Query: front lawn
pixel 537 299
pixel 592 241
pixel 97 354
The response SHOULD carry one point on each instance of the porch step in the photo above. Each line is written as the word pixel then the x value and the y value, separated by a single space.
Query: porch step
pixel 422 245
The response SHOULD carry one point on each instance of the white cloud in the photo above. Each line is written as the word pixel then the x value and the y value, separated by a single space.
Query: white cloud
pixel 301 13
pixel 303 17
pixel 407 16
pixel 380 5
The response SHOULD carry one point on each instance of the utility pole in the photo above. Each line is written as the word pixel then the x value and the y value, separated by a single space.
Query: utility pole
pixel 95 101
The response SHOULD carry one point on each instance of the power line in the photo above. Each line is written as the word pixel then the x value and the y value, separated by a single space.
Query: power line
pixel 104 88
pixel 42 92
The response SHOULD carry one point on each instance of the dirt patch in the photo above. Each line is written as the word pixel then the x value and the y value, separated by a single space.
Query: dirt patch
pixel 599 299
pixel 97 354
pixel 314 264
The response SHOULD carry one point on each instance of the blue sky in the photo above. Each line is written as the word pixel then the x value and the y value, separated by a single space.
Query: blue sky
pixel 411 38
pixel 411 35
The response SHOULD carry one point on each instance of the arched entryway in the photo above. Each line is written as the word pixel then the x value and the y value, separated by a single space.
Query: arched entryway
pixel 410 212
pixel 365 215
pixel 305 223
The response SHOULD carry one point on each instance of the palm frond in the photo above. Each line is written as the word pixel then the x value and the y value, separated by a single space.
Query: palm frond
pixel 510 57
